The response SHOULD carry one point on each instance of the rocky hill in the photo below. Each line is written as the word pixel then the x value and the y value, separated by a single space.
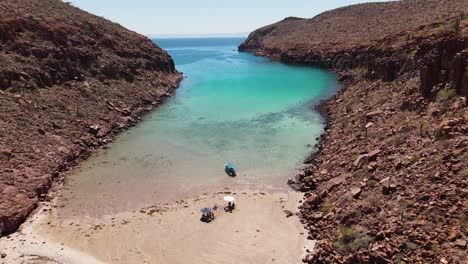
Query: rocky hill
pixel 350 26
pixel 69 81
pixel 388 183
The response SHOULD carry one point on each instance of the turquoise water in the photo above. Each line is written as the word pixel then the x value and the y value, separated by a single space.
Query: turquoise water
pixel 230 107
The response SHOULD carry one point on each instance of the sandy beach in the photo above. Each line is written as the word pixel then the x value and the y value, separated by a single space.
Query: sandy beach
pixel 258 231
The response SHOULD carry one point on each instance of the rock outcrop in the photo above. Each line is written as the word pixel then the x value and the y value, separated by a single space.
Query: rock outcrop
pixel 388 183
pixel 69 81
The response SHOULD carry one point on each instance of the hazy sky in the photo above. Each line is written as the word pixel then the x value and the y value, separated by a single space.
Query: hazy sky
pixel 187 17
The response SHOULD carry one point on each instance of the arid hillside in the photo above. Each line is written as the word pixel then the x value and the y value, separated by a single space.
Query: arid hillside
pixel 69 81
pixel 388 183
pixel 351 26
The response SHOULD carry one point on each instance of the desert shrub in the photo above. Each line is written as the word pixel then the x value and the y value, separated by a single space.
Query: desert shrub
pixel 350 239
pixel 412 53
pixel 372 182
pixel 16 86
pixel 456 24
pixel 60 105
pixel 446 94
pixel 345 200
pixel 398 139
pixel 411 246
pixel 381 101
pixel 408 36
pixel 32 84
pixel 414 159
pixel 326 207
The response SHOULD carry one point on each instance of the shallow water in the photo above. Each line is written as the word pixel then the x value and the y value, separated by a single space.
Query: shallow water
pixel 231 107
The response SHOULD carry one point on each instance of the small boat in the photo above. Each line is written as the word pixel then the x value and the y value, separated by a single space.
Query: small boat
pixel 229 169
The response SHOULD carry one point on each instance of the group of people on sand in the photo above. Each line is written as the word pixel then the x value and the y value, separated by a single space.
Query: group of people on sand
pixel 210 216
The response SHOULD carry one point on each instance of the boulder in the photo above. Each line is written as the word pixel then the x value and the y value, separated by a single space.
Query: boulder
pixel 374 113
pixel 387 187
pixel 317 216
pixel 313 200
pixel 94 129
pixel 372 156
pixel 397 163
pixel 360 161
pixel 461 243
pixel 355 192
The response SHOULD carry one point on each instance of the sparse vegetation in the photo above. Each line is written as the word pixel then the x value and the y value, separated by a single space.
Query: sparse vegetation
pixel 414 159
pixel 326 207
pixel 408 36
pixel 412 53
pixel 456 24
pixel 446 94
pixel 32 84
pixel 350 239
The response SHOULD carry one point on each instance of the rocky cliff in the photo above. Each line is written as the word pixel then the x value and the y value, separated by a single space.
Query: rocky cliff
pixel 69 81
pixel 388 182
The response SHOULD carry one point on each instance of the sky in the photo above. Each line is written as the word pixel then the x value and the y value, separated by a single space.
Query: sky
pixel 178 18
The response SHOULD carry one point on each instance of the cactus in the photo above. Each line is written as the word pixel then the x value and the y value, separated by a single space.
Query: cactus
pixel 456 24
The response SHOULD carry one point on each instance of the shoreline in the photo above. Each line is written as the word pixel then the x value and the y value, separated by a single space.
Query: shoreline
pixel 70 161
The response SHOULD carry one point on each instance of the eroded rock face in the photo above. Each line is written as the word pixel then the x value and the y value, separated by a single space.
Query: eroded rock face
pixel 389 179
pixel 69 81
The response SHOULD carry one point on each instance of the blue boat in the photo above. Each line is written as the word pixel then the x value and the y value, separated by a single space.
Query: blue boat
pixel 229 169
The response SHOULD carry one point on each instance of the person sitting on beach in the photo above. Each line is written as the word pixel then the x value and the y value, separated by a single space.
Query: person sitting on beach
pixel 229 207
pixel 208 217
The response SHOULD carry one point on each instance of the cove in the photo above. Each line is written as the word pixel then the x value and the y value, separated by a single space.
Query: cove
pixel 231 106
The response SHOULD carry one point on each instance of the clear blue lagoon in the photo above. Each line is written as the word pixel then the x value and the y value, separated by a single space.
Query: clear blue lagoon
pixel 231 106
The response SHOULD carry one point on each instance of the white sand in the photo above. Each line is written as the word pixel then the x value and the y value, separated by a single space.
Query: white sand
pixel 258 231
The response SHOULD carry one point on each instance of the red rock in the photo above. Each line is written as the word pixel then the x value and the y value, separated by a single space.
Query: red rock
pixel 359 162
pixel 397 163
pixel 372 165
pixel 453 235
pixel 94 129
pixel 369 125
pixel 317 216
pixel 461 243
pixel 313 200
pixel 387 187
pixel 355 192
pixel 374 113
pixel 373 154
pixel 10 190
